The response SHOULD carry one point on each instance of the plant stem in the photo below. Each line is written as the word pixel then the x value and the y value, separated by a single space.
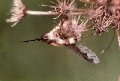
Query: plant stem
pixel 30 12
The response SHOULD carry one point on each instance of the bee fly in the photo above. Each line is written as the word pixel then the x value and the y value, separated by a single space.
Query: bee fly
pixel 83 51
pixel 67 36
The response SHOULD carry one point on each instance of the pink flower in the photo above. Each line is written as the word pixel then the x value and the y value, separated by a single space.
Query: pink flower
pixel 106 14
pixel 62 7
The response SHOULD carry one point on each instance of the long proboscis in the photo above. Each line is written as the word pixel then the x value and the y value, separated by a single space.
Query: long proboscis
pixel 37 39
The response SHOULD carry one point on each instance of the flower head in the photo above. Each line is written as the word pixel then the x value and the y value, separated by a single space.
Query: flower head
pixel 101 19
pixel 104 16
pixel 62 7
pixel 17 12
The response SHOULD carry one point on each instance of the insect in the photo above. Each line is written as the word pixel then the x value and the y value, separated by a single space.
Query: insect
pixel 67 33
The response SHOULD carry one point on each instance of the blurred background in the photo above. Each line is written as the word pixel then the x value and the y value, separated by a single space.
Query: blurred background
pixel 37 61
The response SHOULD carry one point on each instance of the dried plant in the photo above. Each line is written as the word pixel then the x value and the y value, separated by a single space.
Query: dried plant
pixel 102 15
pixel 106 14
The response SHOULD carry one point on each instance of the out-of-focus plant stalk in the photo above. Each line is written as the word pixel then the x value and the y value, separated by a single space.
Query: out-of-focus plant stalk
pixel 118 36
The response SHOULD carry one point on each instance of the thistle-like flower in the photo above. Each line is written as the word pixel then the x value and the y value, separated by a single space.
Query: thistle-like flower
pixel 101 19
pixel 17 12
pixel 63 7
pixel 106 14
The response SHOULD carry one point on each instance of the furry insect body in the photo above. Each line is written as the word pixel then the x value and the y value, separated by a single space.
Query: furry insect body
pixel 85 52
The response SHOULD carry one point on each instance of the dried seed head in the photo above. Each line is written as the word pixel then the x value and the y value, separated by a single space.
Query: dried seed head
pixel 17 12
pixel 103 16
pixel 101 19
pixel 106 15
